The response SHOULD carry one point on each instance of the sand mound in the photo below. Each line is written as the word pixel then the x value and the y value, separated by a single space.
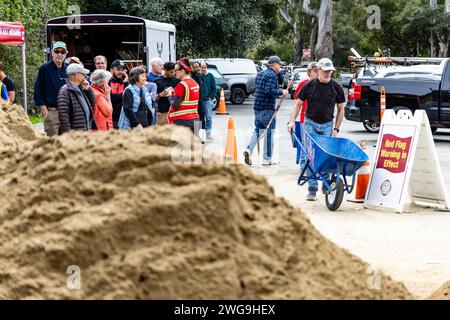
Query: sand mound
pixel 15 128
pixel 140 226
pixel 443 293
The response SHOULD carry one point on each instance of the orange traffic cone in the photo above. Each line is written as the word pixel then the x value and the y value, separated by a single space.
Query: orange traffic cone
pixel 362 180
pixel 222 105
pixel 231 147
pixel 382 102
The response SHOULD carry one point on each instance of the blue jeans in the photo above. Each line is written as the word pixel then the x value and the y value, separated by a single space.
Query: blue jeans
pixel 207 110
pixel 262 119
pixel 325 129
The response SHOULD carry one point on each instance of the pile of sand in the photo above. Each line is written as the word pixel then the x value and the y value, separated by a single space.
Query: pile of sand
pixel 141 227
pixel 15 128
pixel 443 293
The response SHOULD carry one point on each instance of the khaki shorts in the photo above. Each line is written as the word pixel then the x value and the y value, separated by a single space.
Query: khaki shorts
pixel 162 119
pixel 51 123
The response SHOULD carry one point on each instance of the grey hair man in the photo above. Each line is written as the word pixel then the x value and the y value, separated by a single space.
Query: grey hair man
pixel 322 95
pixel 156 66
pixel 100 63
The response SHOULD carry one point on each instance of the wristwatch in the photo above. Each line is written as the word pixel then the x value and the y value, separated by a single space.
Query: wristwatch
pixel 337 130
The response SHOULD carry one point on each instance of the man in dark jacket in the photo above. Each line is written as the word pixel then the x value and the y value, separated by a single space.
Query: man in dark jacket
pixel 196 74
pixel 208 93
pixel 75 101
pixel 50 78
pixel 118 83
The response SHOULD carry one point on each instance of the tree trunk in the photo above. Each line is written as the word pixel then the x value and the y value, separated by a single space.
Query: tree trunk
pixel 298 45
pixel 324 45
pixel 313 39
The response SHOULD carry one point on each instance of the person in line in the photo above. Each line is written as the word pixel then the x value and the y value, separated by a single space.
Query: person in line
pixel 100 63
pixel 322 95
pixel 165 89
pixel 196 74
pixel 151 89
pixel 118 83
pixel 75 101
pixel 208 93
pixel 156 65
pixel 50 79
pixel 183 111
pixel 313 73
pixel 10 86
pixel 137 111
pixel 103 108
pixel 267 91
pixel 71 60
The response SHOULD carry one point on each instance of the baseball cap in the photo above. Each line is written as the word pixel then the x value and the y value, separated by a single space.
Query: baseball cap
pixel 313 65
pixel 275 59
pixel 118 64
pixel 76 68
pixel 59 44
pixel 326 64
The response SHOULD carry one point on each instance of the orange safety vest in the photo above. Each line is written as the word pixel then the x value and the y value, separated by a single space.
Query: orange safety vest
pixel 189 104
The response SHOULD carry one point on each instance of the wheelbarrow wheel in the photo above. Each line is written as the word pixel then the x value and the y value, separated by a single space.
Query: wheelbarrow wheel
pixel 334 198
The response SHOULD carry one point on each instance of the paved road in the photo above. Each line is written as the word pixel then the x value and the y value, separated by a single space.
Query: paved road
pixel 413 247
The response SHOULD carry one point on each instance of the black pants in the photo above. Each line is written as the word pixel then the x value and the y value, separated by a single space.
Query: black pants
pixel 186 123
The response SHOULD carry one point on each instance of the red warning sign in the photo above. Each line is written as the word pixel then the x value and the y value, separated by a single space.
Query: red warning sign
pixel 393 154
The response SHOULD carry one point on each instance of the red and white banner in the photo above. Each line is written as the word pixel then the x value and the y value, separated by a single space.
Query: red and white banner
pixel 12 33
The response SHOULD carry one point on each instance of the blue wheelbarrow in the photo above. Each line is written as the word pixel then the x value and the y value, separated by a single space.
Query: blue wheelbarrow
pixel 331 160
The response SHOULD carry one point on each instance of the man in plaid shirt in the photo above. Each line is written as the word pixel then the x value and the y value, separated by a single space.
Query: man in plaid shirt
pixel 266 94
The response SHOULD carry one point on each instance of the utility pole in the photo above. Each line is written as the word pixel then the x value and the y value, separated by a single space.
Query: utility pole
pixel 433 52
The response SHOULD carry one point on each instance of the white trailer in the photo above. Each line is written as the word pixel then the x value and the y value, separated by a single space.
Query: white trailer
pixel 132 39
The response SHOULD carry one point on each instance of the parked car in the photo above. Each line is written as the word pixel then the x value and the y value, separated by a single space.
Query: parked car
pixel 299 74
pixel 425 87
pixel 221 83
pixel 346 79
pixel 240 75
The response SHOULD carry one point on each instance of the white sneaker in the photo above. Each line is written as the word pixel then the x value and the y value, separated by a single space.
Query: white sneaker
pixel 248 157
pixel 270 162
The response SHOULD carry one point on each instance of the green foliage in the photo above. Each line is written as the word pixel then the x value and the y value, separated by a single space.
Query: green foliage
pixel 31 14
pixel 225 28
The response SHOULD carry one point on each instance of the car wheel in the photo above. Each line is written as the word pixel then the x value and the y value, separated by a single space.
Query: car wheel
pixel 215 101
pixel 371 127
pixel 238 96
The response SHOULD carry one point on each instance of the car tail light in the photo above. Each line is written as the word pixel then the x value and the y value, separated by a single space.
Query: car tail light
pixel 351 95
pixel 357 89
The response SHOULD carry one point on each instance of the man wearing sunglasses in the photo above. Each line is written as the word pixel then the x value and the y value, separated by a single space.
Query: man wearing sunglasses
pixel 50 78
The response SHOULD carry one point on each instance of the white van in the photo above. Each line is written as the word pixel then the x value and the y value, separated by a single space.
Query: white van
pixel 132 39
pixel 240 75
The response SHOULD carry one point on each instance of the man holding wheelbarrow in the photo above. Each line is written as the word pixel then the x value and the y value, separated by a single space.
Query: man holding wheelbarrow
pixel 267 91
pixel 322 95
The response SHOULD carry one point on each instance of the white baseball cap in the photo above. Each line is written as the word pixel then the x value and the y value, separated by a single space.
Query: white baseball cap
pixel 326 64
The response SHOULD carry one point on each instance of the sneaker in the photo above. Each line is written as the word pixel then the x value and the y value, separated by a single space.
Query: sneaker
pixel 270 162
pixel 311 196
pixel 248 157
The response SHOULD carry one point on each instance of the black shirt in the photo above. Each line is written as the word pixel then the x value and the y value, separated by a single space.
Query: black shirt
pixel 162 83
pixel 117 89
pixel 10 85
pixel 322 98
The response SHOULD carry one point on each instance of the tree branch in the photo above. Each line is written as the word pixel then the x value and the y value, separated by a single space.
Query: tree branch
pixel 308 10
pixel 286 16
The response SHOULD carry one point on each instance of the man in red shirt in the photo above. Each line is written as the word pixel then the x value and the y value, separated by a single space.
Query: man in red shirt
pixel 313 73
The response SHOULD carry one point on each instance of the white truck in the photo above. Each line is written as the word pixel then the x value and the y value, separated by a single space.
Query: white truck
pixel 132 39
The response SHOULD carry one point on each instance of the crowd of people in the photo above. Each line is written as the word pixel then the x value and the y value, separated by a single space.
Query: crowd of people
pixel 72 98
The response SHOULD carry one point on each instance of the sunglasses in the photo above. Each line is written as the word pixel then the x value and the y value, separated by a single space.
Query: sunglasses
pixel 59 51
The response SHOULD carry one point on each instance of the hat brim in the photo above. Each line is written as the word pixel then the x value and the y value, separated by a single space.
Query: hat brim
pixel 328 69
